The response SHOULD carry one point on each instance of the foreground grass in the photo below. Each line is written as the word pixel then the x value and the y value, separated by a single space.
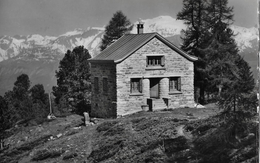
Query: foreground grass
pixel 185 135
pixel 221 138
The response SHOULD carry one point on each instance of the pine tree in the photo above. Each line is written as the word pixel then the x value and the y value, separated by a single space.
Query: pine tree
pixel 23 103
pixel 193 15
pixel 243 90
pixel 117 27
pixel 73 78
pixel 18 100
pixel 38 94
pixel 209 37
pixel 227 70
pixel 3 117
pixel 23 81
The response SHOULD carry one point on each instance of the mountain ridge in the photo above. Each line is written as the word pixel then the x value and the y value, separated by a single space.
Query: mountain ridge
pixel 91 37
pixel 20 54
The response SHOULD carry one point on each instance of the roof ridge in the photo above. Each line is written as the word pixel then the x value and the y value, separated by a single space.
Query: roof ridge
pixel 141 33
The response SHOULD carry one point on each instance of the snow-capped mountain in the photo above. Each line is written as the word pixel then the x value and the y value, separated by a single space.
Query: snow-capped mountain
pixel 38 56
pixel 47 47
pixel 44 46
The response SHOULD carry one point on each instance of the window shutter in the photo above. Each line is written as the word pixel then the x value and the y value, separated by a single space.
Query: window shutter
pixel 170 85
pixel 131 85
pixel 140 85
pixel 179 84
pixel 162 60
pixel 105 85
pixel 147 62
pixel 96 84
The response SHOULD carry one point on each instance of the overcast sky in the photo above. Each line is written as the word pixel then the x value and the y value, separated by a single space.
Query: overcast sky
pixel 55 17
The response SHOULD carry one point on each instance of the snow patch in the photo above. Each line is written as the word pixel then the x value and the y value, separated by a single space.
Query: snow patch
pixel 4 41
pixel 164 25
pixel 75 32
pixel 95 43
pixel 98 28
pixel 3 55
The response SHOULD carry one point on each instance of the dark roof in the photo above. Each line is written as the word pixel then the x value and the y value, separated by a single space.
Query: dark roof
pixel 129 43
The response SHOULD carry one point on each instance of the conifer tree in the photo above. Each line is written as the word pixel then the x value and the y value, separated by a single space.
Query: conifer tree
pixel 3 111
pixel 23 103
pixel 239 93
pixel 209 37
pixel 73 78
pixel 227 70
pixel 193 15
pixel 18 100
pixel 117 27
pixel 38 94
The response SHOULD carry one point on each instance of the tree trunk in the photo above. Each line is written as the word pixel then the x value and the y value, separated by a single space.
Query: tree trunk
pixel 202 94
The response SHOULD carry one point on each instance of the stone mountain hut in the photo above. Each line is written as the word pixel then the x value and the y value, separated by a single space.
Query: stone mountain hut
pixel 141 70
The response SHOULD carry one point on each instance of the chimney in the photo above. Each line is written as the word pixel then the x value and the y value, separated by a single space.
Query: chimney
pixel 140 27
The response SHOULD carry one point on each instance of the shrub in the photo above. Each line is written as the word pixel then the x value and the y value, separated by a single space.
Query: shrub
pixel 106 152
pixel 106 125
pixel 69 156
pixel 46 153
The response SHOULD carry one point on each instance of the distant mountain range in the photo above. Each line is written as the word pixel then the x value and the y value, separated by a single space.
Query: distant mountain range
pixel 39 56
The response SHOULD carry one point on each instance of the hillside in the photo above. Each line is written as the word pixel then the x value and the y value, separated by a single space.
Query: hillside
pixel 39 55
pixel 179 135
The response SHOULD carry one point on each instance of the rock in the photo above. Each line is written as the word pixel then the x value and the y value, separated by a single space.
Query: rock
pixel 59 135
pixel 76 128
pixel 87 118
pixel 199 106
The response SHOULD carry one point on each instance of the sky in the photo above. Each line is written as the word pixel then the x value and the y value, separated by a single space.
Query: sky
pixel 56 17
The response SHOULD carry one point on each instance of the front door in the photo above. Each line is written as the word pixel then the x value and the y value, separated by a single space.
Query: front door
pixel 154 87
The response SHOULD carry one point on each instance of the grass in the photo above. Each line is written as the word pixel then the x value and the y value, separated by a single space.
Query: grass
pixel 16 153
pixel 152 137
pixel 161 136
pixel 46 153
pixel 133 139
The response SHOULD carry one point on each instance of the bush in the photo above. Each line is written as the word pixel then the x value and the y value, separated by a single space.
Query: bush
pixel 69 156
pixel 46 153
pixel 106 152
pixel 106 126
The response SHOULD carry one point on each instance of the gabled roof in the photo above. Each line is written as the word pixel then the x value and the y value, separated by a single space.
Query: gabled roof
pixel 129 43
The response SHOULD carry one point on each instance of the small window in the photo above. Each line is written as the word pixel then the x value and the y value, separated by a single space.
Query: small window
pixel 105 86
pixel 96 84
pixel 136 85
pixel 155 61
pixel 175 84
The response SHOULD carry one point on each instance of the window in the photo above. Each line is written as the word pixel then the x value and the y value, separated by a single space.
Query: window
pixel 155 61
pixel 175 84
pixel 96 84
pixel 136 85
pixel 105 86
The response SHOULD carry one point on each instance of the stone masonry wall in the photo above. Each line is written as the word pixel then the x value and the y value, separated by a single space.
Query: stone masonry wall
pixel 103 104
pixel 135 67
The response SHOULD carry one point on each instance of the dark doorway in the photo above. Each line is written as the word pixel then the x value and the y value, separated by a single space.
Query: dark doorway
pixel 154 87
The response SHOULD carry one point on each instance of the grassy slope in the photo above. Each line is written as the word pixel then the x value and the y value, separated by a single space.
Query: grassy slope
pixel 166 136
